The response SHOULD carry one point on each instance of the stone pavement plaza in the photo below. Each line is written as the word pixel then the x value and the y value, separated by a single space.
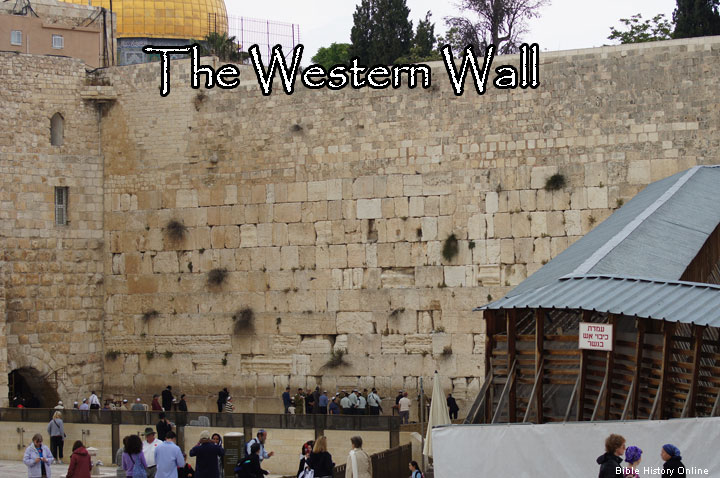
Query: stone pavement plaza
pixel 17 469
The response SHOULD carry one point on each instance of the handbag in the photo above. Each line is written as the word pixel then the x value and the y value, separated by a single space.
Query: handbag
pixel 307 473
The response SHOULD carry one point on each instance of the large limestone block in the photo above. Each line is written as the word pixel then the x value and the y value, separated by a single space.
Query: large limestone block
pixel 356 255
pixel 412 185
pixel 362 187
pixel 597 198
pixel 355 323
pixel 521 225
pixel 455 276
pixel 369 209
pixel 315 345
pixel 317 191
pixel 248 235
pixel 502 225
pixel 440 341
pixel 393 344
pixel 301 234
pixel 429 276
pixel 165 262
pixel 186 198
pixel 398 277
pixel 540 174
pixel 418 344
pixel 429 228
pixel 287 212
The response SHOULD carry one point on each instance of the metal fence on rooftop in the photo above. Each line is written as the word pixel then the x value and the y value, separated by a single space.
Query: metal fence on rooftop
pixel 255 31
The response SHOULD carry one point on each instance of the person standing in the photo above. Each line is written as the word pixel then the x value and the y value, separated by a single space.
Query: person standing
pixel 299 402
pixel 60 405
pixel 353 398
pixel 168 457
pixel 222 398
pixel 167 399
pixel 323 403
pixel 133 458
pixel 138 406
pixel 80 462
pixel 56 430
pixel 249 467
pixel 452 407
pixel 207 453
pixel 155 404
pixel 374 402
pixel 415 470
pixel 633 455
pixel 149 445
pixel 396 407
pixel 320 461
pixel 334 408
pixel 94 401
pixel 182 404
pixel 404 407
pixel 163 427
pixel 345 404
pixel 286 399
pixel 229 407
pixel 217 439
pixel 260 440
pixel 309 402
pixel 38 458
pixel 362 405
pixel 359 464
pixel 610 462
pixel 316 401
pixel 673 465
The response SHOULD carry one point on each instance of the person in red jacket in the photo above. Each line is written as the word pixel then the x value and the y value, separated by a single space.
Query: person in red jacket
pixel 80 463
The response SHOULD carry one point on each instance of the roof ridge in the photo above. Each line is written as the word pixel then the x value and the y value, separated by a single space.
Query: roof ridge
pixel 630 227
pixel 638 279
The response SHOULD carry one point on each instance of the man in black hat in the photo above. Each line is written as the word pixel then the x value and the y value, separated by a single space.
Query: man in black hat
pixel 167 399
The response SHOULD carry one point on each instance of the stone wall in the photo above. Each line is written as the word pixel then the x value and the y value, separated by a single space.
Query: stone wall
pixel 330 210
pixel 52 275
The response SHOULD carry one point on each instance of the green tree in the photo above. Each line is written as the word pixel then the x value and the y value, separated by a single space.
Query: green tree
pixel 423 46
pixel 336 53
pixel 639 31
pixel 494 22
pixel 221 45
pixel 381 31
pixel 696 18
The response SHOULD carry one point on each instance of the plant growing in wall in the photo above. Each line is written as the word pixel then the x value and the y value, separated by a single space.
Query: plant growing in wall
pixel 150 314
pixel 555 182
pixel 150 354
pixel 450 247
pixel 337 358
pixel 175 230
pixel 168 354
pixel 244 320
pixel 112 354
pixel 217 276
pixel 397 312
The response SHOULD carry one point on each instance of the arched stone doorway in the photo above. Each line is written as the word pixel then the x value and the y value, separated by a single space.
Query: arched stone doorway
pixel 28 386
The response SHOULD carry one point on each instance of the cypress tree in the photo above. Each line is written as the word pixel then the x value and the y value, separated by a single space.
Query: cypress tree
pixel 381 31
pixel 696 18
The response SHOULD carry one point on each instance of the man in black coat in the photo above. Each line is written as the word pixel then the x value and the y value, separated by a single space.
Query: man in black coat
pixel 452 406
pixel 167 398
pixel 673 465
pixel 163 427
pixel 222 399
pixel 611 462
pixel 207 453
pixel 249 467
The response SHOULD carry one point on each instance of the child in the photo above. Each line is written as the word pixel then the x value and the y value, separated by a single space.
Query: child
pixel 415 469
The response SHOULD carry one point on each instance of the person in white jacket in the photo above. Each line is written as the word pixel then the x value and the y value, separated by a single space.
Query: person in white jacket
pixel 359 464
pixel 38 458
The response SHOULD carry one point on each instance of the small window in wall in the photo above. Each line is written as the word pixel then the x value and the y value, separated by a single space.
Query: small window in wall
pixel 61 202
pixel 58 42
pixel 57 129
pixel 16 37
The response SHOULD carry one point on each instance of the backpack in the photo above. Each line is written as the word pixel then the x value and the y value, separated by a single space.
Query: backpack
pixel 245 447
pixel 417 474
pixel 138 470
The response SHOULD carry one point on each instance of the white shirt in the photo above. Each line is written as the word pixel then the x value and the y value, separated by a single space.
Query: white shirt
pixel 149 451
pixel 373 400
pixel 404 404
pixel 94 400
pixel 361 402
pixel 353 400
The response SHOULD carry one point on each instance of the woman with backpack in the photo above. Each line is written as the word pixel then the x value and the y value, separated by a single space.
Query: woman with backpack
pixel 415 470
pixel 133 459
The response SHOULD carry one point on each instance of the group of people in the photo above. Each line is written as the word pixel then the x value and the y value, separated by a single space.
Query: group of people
pixel 317 462
pixel 166 401
pixel 38 458
pixel 317 402
pixel 611 462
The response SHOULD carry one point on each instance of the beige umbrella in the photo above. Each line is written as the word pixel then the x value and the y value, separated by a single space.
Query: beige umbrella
pixel 439 414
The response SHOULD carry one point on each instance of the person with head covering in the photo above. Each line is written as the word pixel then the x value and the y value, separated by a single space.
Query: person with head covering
pixel 611 460
pixel 138 406
pixel 56 430
pixel 229 406
pixel 60 405
pixel 633 456
pixel 673 465
pixel 217 439
pixel 155 404
pixel 80 462
pixel 304 455
pixel 149 445
pixel 207 453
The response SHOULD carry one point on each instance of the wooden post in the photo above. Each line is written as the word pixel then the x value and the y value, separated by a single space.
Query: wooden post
pixel 511 316
pixel 490 330
pixel 697 353
pixel 583 368
pixel 610 369
pixel 669 329
pixel 638 367
pixel 539 346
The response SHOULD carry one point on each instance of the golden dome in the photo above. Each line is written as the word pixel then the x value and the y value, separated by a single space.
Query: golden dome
pixel 183 19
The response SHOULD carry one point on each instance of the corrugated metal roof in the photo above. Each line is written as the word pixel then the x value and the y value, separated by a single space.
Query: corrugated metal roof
pixel 656 234
pixel 675 301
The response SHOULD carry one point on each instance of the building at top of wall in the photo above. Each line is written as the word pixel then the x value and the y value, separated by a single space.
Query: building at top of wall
pixel 169 23
pixel 50 27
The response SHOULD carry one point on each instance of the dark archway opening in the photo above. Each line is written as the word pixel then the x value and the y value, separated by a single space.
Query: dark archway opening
pixel 31 389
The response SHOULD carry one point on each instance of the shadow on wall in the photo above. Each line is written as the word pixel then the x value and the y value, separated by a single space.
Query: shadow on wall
pixel 30 388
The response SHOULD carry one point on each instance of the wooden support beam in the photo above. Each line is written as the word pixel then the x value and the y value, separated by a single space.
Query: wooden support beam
pixel 533 393
pixel 601 393
pixel 669 330
pixel 627 401
pixel 610 368
pixel 508 385
pixel 511 316
pixel 689 410
pixel 635 394
pixel 539 363
pixel 716 407
pixel 586 315
pixel 490 343
pixel 572 397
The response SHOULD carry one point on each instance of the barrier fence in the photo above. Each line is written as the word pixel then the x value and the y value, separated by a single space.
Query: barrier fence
pixel 392 463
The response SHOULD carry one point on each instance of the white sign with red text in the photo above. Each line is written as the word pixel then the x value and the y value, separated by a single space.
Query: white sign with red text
pixel 595 336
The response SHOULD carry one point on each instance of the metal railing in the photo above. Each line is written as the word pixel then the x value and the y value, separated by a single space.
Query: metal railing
pixel 392 463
